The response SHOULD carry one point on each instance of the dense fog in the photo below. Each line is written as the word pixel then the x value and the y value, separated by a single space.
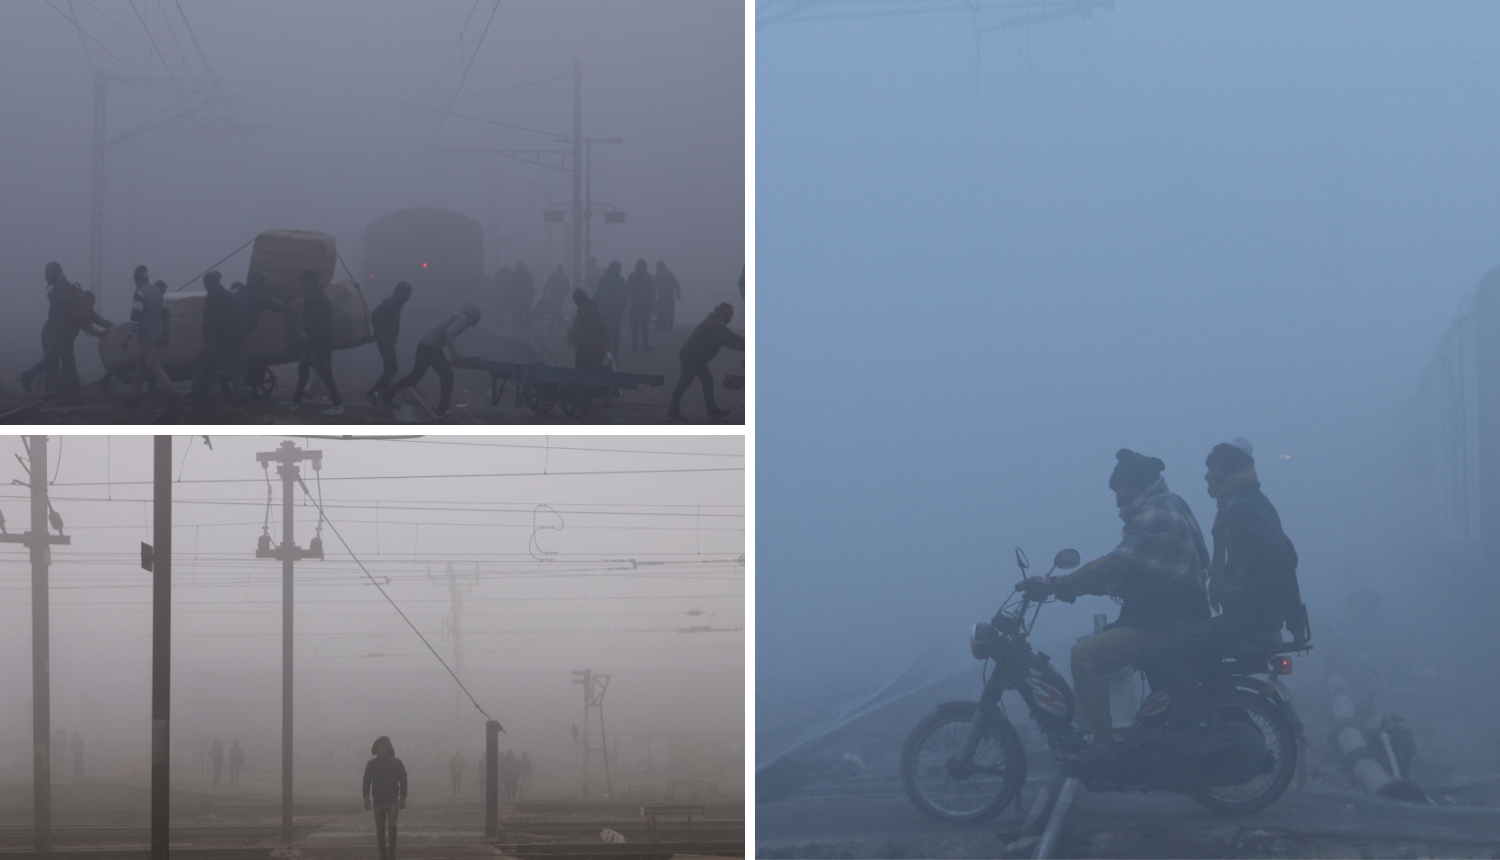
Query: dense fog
pixel 327 116
pixel 520 560
pixel 1004 250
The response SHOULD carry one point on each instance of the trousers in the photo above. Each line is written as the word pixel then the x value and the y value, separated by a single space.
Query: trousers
pixel 321 362
pixel 388 366
pixel 429 356
pixel 689 371
pixel 1098 657
pixel 385 819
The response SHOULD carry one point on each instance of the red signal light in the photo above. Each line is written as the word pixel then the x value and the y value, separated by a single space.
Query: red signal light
pixel 424 265
pixel 1282 665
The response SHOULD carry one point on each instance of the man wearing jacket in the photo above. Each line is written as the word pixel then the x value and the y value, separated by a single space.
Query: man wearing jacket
pixel 147 317
pixel 701 347
pixel 220 330
pixel 385 792
pixel 1253 578
pixel 610 296
pixel 385 321
pixel 58 334
pixel 1158 572
pixel 317 343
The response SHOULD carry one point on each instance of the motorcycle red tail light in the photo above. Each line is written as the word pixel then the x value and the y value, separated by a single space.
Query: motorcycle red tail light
pixel 1282 665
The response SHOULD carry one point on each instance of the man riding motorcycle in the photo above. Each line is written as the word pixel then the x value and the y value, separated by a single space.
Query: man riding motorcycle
pixel 1158 572
pixel 1253 577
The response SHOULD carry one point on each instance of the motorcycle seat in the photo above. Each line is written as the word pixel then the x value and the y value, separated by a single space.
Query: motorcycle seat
pixel 1263 644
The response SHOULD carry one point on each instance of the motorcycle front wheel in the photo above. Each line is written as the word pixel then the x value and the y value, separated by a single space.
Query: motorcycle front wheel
pixel 949 790
pixel 1281 749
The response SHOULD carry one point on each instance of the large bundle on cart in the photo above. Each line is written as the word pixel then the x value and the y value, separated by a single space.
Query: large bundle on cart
pixel 282 256
pixel 276 340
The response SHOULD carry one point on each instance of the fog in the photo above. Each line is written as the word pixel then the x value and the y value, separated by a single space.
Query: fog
pixel 1000 255
pixel 520 560
pixel 335 117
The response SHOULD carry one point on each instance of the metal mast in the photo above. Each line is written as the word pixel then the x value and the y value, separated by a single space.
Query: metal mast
pixel 287 457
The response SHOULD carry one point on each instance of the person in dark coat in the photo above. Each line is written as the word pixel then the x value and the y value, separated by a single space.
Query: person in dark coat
pixel 641 289
pixel 148 320
pixel 385 321
pixel 236 762
pixel 220 331
pixel 317 343
pixel 251 301
pixel 610 296
pixel 522 294
pixel 668 291
pixel 431 354
pixel 216 755
pixel 702 345
pixel 1253 579
pixel 58 334
pixel 385 792
pixel 588 336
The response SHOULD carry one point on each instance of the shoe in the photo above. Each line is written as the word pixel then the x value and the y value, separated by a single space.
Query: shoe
pixel 718 413
pixel 290 405
pixel 444 414
pixel 374 399
pixel 675 416
pixel 1099 753
pixel 334 410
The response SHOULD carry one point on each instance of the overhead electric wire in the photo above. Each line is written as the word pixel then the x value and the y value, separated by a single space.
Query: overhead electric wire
pixel 376 583
pixel 407 477
pixel 472 57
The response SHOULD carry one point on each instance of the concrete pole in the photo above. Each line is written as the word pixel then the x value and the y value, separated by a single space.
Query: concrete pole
pixel 161 647
pixel 41 677
pixel 578 212
pixel 288 473
pixel 491 778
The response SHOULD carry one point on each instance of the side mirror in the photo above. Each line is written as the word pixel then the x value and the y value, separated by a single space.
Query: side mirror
pixel 1066 560
pixel 1021 561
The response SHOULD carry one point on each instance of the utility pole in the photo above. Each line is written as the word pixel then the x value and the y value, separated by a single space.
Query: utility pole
pixel 96 216
pixel 578 174
pixel 594 687
pixel 456 587
pixel 491 778
pixel 157 558
pixel 39 541
pixel 287 552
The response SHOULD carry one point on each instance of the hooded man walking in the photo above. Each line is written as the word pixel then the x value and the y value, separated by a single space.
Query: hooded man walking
pixel 317 343
pixel 1158 573
pixel 385 792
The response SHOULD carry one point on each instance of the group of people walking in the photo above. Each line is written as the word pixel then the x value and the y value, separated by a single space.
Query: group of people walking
pixel 236 761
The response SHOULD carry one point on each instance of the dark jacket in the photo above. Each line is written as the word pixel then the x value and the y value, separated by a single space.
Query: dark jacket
pixel 317 321
pixel 588 334
pixel 609 293
pixel 62 307
pixel 385 778
pixel 385 320
pixel 219 323
pixel 642 289
pixel 1259 578
pixel 704 343
pixel 250 303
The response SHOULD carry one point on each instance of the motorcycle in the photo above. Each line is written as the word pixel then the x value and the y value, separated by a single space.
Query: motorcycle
pixel 965 763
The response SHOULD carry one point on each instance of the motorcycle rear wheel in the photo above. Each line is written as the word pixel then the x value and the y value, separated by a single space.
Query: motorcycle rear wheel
pixel 987 787
pixel 1281 742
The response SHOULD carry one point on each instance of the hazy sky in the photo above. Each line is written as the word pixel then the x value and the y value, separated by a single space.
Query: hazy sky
pixel 997 256
pixel 330 145
pixel 571 553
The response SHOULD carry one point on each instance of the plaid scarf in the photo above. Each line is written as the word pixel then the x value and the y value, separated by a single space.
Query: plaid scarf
pixel 1162 537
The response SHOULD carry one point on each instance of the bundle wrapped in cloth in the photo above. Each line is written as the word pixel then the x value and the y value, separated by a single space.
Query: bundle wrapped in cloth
pixel 283 255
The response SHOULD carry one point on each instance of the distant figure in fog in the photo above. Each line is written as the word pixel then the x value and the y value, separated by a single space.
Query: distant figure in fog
pixel 668 291
pixel 385 322
pixel 522 294
pixel 525 773
pixel 251 301
pixel 385 792
pixel 220 331
pixel 701 347
pixel 591 273
pixel 588 336
pixel 236 762
pixel 216 755
pixel 509 773
pixel 60 751
pixel 456 770
pixel 610 296
pixel 75 746
pixel 555 292
pixel 642 291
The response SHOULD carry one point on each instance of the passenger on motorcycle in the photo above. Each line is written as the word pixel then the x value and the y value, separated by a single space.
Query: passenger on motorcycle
pixel 1253 577
pixel 1158 573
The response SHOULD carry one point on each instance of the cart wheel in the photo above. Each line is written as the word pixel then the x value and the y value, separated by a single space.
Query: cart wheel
pixel 540 397
pixel 576 402
pixel 262 381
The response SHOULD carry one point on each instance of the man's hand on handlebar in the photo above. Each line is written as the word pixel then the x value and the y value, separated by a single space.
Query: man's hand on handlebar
pixel 1036 588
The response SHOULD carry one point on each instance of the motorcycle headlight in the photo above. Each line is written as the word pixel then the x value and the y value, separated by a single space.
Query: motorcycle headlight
pixel 982 640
